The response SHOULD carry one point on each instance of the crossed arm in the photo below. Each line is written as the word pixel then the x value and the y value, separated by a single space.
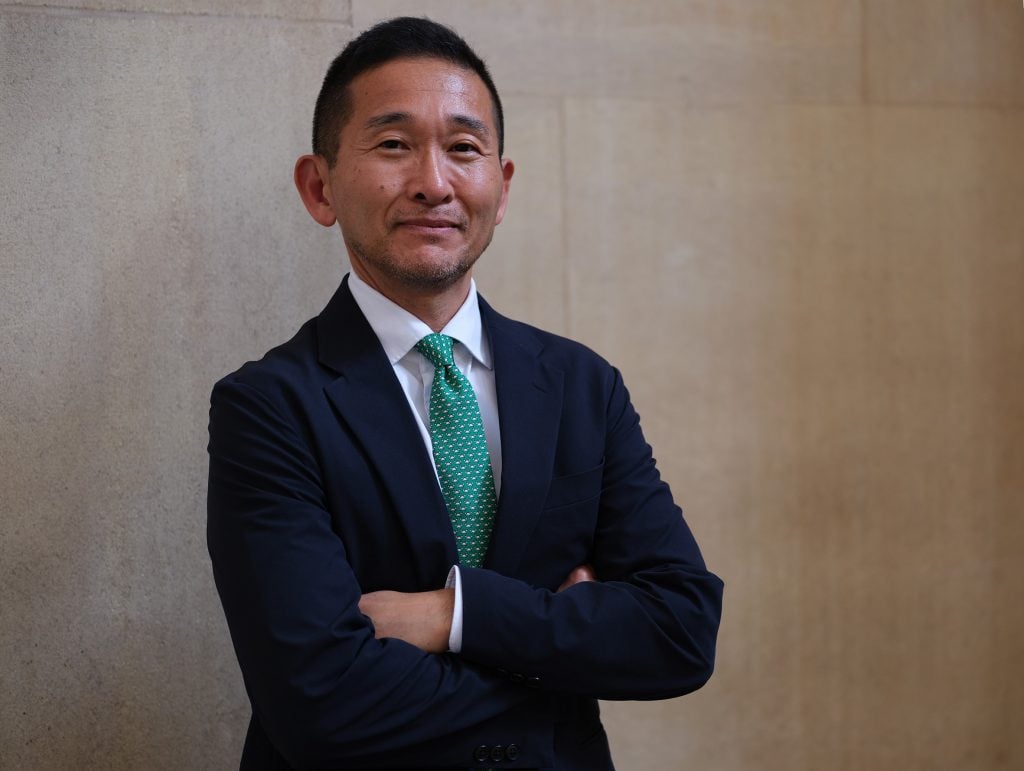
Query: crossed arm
pixel 424 619
pixel 327 687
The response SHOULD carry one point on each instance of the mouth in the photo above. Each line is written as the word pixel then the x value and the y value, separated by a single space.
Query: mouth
pixel 429 224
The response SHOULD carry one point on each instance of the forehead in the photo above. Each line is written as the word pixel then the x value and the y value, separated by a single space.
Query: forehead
pixel 420 85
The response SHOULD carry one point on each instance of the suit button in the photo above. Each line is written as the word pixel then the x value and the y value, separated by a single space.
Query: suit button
pixel 516 677
pixel 533 682
pixel 497 753
pixel 482 753
pixel 511 752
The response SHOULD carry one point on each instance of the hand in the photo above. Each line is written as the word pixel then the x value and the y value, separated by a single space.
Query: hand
pixel 423 619
pixel 577 576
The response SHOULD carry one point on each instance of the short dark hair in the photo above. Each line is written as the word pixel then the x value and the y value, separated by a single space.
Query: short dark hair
pixel 405 37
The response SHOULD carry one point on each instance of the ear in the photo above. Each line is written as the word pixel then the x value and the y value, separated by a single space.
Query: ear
pixel 312 179
pixel 507 170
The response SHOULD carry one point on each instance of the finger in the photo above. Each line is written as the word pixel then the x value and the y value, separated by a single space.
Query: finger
pixel 585 573
pixel 578 575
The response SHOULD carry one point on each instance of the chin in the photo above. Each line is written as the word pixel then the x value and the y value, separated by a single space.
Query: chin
pixel 436 279
pixel 434 275
pixel 428 268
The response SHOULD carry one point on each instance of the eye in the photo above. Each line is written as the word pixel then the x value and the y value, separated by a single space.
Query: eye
pixel 391 144
pixel 464 147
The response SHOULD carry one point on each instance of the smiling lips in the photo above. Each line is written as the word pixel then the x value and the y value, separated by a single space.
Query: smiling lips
pixel 435 224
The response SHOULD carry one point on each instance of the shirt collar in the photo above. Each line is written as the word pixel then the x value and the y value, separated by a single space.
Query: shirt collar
pixel 398 330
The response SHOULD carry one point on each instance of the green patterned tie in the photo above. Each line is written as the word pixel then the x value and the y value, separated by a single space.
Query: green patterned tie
pixel 460 452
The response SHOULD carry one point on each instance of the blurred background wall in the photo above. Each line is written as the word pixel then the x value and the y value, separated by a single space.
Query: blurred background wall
pixel 797 226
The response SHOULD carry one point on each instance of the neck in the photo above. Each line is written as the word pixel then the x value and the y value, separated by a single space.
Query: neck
pixel 434 308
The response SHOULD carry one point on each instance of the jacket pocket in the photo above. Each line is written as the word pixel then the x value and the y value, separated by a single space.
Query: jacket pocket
pixel 574 488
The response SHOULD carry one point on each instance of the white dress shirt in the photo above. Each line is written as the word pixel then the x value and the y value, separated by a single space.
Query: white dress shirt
pixel 398 332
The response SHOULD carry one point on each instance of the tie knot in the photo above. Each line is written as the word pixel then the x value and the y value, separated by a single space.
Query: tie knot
pixel 438 350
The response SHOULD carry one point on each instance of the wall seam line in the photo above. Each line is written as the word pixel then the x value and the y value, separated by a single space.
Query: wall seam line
pixel 563 194
pixel 83 12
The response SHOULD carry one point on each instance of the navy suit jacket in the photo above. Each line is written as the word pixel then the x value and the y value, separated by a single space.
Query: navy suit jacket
pixel 321 489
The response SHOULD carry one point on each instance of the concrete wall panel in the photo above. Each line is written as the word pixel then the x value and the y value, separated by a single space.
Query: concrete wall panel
pixel 694 51
pixel 152 242
pixel 946 52
pixel 837 291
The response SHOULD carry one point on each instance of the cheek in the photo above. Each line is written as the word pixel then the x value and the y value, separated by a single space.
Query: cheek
pixel 485 191
pixel 367 191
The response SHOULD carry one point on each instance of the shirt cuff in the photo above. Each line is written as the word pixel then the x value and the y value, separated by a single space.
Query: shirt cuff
pixel 455 636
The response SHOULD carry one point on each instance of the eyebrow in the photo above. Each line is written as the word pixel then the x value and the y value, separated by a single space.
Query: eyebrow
pixel 392 118
pixel 387 119
pixel 471 123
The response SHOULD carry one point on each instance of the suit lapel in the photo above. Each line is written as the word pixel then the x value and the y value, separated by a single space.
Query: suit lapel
pixel 369 399
pixel 529 405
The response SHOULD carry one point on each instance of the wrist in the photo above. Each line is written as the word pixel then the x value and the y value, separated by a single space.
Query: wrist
pixel 445 610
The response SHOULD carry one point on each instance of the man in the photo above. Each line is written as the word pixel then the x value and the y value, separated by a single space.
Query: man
pixel 438 534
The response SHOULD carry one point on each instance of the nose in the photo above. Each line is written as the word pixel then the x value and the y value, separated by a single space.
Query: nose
pixel 430 182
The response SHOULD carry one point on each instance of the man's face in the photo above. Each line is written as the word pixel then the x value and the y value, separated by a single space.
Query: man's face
pixel 418 185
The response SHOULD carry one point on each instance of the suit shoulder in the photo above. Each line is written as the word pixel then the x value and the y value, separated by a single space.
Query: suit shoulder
pixel 283 368
pixel 558 351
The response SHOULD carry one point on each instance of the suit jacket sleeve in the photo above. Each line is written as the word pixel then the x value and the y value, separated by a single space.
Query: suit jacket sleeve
pixel 647 628
pixel 324 689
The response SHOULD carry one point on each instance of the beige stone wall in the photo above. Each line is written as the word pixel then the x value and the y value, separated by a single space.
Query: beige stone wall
pixel 798 227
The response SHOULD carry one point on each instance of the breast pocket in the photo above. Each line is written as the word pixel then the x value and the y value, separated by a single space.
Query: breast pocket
pixel 574 489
